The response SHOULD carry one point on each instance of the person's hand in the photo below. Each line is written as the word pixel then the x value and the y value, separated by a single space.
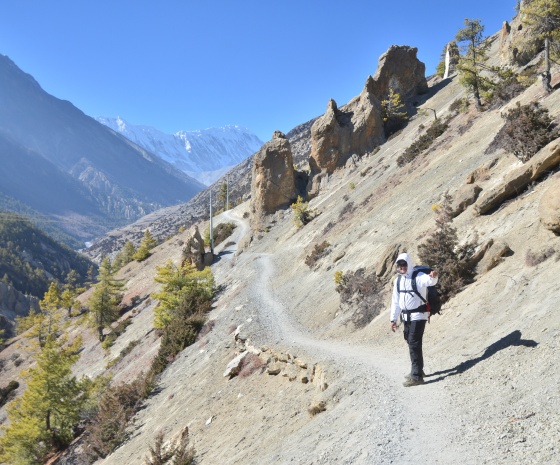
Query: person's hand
pixel 393 326
pixel 434 274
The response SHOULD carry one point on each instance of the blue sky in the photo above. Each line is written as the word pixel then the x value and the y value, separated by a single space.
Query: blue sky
pixel 187 65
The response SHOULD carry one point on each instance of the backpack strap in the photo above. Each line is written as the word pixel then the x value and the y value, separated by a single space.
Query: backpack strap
pixel 414 288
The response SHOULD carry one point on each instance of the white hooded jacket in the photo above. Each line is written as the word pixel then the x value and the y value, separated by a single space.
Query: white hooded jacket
pixel 409 300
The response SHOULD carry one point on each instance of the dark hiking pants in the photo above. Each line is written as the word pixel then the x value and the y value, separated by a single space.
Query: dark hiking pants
pixel 413 333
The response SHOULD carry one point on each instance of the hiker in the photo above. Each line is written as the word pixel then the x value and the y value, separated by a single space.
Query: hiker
pixel 412 309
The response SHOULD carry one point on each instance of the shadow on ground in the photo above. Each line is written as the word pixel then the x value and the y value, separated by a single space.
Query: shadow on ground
pixel 512 339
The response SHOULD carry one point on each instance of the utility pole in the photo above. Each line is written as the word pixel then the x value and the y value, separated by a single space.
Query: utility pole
pixel 211 229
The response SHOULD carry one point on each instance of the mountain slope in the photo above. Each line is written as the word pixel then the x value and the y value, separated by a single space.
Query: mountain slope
pixel 205 154
pixel 118 179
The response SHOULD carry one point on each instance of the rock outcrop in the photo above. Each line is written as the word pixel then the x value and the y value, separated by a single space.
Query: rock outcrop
pixel 273 179
pixel 465 196
pixel 400 70
pixel 194 250
pixel 355 128
pixel 547 159
pixel 549 207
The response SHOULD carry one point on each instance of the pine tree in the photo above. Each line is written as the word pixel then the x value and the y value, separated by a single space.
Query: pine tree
pixel 44 416
pixel 222 196
pixel 472 62
pixel 393 112
pixel 103 303
pixel 543 17
pixel 45 324
pixel 147 244
pixel 178 282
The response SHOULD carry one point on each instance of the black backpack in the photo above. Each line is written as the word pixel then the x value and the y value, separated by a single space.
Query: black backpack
pixel 433 301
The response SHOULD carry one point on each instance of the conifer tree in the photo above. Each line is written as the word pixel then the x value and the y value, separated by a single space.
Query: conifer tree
pixel 472 61
pixel 103 303
pixel 44 324
pixel 178 282
pixel 44 416
pixel 222 195
pixel 147 244
pixel 393 112
pixel 543 16
pixel 442 252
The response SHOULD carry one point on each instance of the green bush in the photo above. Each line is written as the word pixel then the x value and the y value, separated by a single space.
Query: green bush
pixel 302 214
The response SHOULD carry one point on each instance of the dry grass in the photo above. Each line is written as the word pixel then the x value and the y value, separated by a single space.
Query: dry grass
pixel 535 258
pixel 317 408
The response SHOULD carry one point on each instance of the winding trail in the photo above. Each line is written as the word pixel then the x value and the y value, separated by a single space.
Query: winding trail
pixel 396 425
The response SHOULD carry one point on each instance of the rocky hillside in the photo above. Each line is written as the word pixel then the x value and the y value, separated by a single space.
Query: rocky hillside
pixel 320 385
pixel 166 222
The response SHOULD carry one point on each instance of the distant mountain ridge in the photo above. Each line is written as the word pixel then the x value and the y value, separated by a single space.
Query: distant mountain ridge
pixel 66 165
pixel 205 154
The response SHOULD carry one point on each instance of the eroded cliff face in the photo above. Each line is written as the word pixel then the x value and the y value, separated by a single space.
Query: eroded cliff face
pixel 357 127
pixel 273 179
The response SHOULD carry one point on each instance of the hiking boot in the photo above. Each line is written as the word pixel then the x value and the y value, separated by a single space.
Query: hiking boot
pixel 413 382
pixel 409 376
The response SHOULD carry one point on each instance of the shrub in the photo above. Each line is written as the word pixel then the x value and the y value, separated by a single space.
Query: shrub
pixel 177 454
pixel 460 105
pixel 302 214
pixel 319 251
pixel 436 129
pixel 8 393
pixel 360 292
pixel 441 251
pixel 346 210
pixel 534 258
pixel 506 87
pixel 220 233
pixel 117 405
pixel 527 129
pixel 317 408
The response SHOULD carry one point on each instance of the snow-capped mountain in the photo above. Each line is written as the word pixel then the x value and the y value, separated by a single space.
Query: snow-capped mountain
pixel 204 154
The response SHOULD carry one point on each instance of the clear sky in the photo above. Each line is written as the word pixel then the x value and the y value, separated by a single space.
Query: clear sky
pixel 187 65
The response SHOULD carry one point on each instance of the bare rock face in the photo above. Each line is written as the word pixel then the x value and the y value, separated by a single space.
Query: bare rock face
pixel 355 128
pixel 400 70
pixel 273 180
pixel 549 207
pixel 465 196
pixel 547 159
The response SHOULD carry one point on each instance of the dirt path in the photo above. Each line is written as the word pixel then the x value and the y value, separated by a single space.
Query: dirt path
pixel 396 424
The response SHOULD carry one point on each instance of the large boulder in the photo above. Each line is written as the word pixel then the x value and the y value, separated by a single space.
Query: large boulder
pixel 273 180
pixel 399 69
pixel 549 207
pixel 194 251
pixel 547 159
